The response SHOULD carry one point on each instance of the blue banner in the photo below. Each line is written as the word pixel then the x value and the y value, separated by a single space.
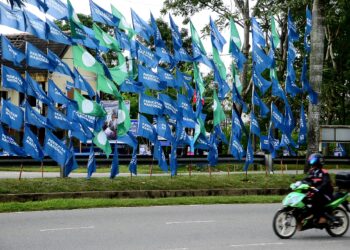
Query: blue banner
pixel 254 125
pixel 292 29
pixel 13 18
pixel 55 148
pixel 277 118
pixel 237 55
pixel 257 34
pixel 150 105
pixel 260 82
pixel 71 163
pixel 12 115
pixel 167 77
pixel 11 79
pixel 10 52
pixel 264 110
pixel 163 129
pixel 249 158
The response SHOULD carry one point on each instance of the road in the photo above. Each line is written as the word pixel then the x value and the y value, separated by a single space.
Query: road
pixel 209 227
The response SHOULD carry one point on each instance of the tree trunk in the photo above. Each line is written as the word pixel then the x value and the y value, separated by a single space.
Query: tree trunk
pixel 246 46
pixel 316 69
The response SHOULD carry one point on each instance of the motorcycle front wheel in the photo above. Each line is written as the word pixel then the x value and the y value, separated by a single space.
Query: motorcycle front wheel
pixel 342 228
pixel 284 224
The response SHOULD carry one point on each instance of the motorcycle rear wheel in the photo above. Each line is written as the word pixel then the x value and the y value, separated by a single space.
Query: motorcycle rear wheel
pixel 337 231
pixel 284 224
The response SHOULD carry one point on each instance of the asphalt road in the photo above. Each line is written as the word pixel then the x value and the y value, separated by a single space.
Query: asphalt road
pixel 210 227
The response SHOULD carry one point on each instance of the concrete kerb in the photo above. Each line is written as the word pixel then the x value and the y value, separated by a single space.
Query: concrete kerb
pixel 140 194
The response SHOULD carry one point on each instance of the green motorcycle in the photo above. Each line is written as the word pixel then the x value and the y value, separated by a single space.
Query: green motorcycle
pixel 297 215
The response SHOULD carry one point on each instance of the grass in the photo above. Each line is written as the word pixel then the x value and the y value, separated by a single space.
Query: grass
pixel 56 204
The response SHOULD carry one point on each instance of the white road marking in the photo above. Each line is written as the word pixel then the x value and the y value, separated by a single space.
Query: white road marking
pixel 66 228
pixel 184 248
pixel 189 222
pixel 257 244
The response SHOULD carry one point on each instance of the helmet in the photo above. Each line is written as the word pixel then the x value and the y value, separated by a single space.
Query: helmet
pixel 316 160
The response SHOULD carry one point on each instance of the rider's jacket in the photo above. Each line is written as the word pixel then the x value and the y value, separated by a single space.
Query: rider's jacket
pixel 320 179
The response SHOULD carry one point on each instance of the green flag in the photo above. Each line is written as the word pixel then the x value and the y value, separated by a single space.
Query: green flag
pixel 275 36
pixel 123 25
pixel 101 141
pixel 196 39
pixel 88 107
pixel 76 27
pixel 234 36
pixel 219 114
pixel 198 79
pixel 124 123
pixel 199 129
pixel 236 79
pixel 82 58
pixel 219 63
pixel 120 72
pixel 107 86
pixel 105 39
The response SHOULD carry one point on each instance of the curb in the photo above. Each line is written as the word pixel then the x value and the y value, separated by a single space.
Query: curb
pixel 141 194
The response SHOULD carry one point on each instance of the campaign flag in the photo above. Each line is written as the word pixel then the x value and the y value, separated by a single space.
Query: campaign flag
pixel 167 77
pixel 234 36
pixel 158 40
pixel 123 40
pixel 235 79
pixel 8 144
pixel 249 158
pixel 223 87
pixel 76 26
pixel 128 139
pixel 58 65
pixel 257 34
pixel 276 117
pixel 119 73
pixel 131 86
pixel 55 148
pixel 220 134
pixel 198 80
pixel 170 106
pixel 184 104
pixel 196 42
pixel 150 105
pixel 81 83
pixel 292 29
pixel 105 39
pixel 145 129
pixel 164 56
pixel 82 58
pixel 237 55
pixel 290 84
pixel 55 94
pixel 274 33
pixel 133 162
pixel 13 18
pixel 181 55
pixel 213 153
pixel 260 82
pixel 54 33
pixel 11 79
pixel 107 86
pixel 57 119
pixel 40 4
pixel 123 121
pixel 308 29
pixel 219 114
pixel 91 166
pixel 217 39
pixel 277 89
pixel 115 162
pixel 141 27
pixel 99 14
pixel 175 34
pixel 237 125
pixel 88 107
pixel 163 129
pixel 101 141
pixel 36 58
pixel 237 98
pixel 292 53
pixel 313 96
pixel 56 9
pixel 71 163
pixel 31 145
pixel 254 125
pixel 146 55
pixel 219 63
pixel 149 79
pixel 182 78
pixel 158 154
pixel 34 25
pixel 264 110
pixel 123 25
pixel 12 115
pixel 236 148
pixel 35 90
pixel 173 159
pixel 202 142
pixel 288 119
pixel 80 129
pixel 10 52
pixel 303 127
pixel 33 117
pixel 260 59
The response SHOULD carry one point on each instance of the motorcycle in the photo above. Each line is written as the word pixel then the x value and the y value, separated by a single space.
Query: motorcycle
pixel 297 213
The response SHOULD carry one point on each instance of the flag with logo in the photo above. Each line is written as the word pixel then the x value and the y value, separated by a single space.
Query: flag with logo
pixel 123 121
pixel 150 105
pixel 11 115
pixel 10 52
pixel 56 9
pixel 145 129
pixel 81 83
pixel 8 144
pixel 88 107
pixel 100 15
pixel 101 141
pixel 35 90
pixel 55 94
pixel 11 79
pixel 123 25
pixel 31 116
pixel 31 145
pixel 217 39
pixel 150 79
pixel 219 114
pixel 36 58
pixel 105 39
pixel 58 119
pixel 54 33
pixel 82 58
pixel 141 27
pixel 55 148
pixel 57 65
pixel 35 25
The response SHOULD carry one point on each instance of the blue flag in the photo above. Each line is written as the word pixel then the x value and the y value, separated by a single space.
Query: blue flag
pixel 288 119
pixel 260 82
pixel 303 127
pixel 277 118
pixel 150 105
pixel 264 110
pixel 249 158
pixel 55 34
pixel 237 125
pixel 291 86
pixel 237 150
pixel 13 18
pixel 149 79
pixel 12 115
pixel 292 29
pixel 145 129
pixel 57 119
pixel 11 79
pixel 164 56
pixel 55 148
pixel 8 144
pixel 35 25
pixel 261 60
pixel 173 159
pixel 131 86
pixel 80 130
pixel 170 106
pixel 57 9
pixel 217 39
pixel 257 34
pixel 115 162
pixel 181 55
pixel 159 155
pixel 308 28
pixel 163 129
pixel 33 117
pixel 236 98
pixel 31 145
pixel 10 52
pixel 57 95
pixel 223 87
pixel 167 77
pixel 40 4
pixel 82 84
pixel 158 41
pixel 146 55
pixel 128 139
pixel 254 125
pixel 36 58
pixel 122 39
pixel 71 163
pixel 182 78
pixel 277 90
pixel 219 134
pixel 185 105
pixel 35 90
pixel 292 52
pixel 213 153
pixel 175 34
pixel 99 14
pixel 237 55
pixel 133 162
pixel 141 27
pixel 202 143
pixel 91 167
pixel 58 65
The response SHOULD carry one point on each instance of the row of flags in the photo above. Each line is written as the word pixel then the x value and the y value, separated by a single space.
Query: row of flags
pixel 152 71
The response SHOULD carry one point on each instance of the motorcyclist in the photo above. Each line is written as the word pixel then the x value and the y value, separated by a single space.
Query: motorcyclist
pixel 321 185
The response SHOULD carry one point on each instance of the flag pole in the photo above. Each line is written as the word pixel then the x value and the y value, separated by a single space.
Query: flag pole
pixel 20 172
pixel 42 169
